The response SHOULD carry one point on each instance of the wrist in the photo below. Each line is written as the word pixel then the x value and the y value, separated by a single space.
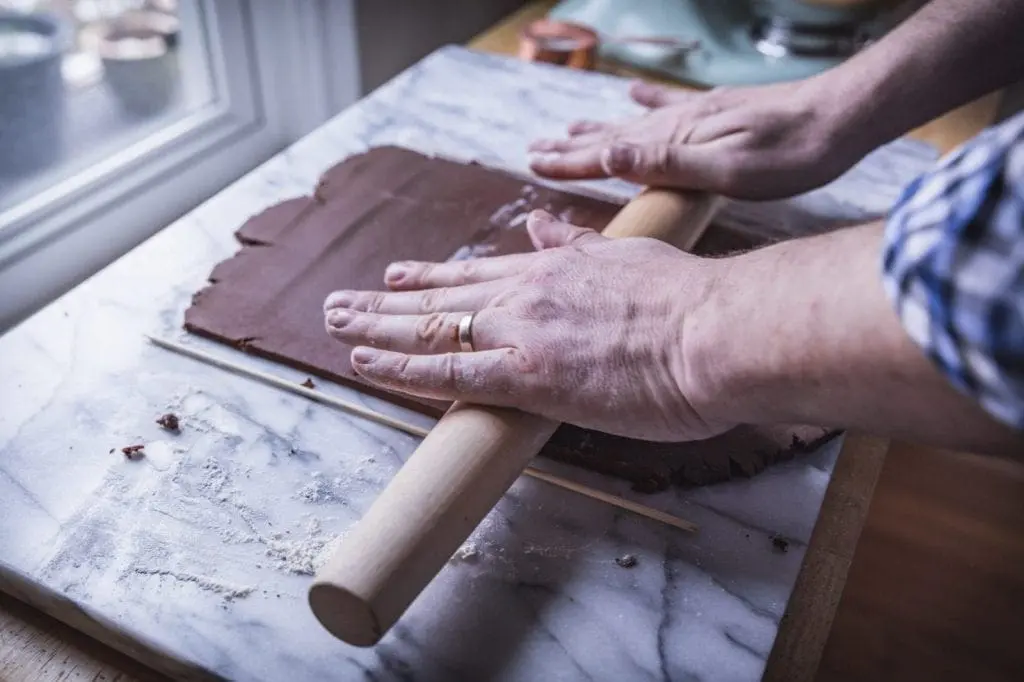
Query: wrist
pixel 722 376
pixel 786 329
pixel 853 106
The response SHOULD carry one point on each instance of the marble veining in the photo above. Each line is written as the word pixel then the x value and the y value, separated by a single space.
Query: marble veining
pixel 202 551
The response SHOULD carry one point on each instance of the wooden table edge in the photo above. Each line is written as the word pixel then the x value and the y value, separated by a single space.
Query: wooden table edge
pixel 90 643
pixel 807 620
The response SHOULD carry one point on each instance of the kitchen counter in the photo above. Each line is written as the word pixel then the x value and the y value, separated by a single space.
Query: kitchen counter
pixel 196 559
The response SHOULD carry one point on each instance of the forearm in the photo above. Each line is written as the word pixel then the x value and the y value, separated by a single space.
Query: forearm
pixel 946 54
pixel 802 332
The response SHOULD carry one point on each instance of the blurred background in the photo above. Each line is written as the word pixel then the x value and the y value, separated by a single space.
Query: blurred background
pixel 80 78
pixel 118 116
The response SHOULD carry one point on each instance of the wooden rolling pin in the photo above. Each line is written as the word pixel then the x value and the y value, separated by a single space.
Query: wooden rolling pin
pixel 458 473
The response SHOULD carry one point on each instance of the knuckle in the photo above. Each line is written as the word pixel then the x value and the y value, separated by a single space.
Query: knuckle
pixel 578 248
pixel 466 271
pixel 452 371
pixel 579 236
pixel 402 367
pixel 543 273
pixel 417 274
pixel 430 329
pixel 540 307
pixel 371 303
pixel 524 362
pixel 660 159
pixel 504 298
pixel 374 334
pixel 431 300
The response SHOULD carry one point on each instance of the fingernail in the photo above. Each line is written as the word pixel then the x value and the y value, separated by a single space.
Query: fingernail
pixel 363 356
pixel 395 273
pixel 620 159
pixel 540 215
pixel 338 318
pixel 339 299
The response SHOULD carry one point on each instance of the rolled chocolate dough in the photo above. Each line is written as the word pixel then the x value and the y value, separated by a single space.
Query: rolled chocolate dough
pixel 393 204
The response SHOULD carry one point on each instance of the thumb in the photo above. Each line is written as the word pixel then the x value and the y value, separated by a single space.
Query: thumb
pixel 688 166
pixel 548 233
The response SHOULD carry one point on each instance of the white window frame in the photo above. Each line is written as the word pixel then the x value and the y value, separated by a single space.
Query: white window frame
pixel 279 70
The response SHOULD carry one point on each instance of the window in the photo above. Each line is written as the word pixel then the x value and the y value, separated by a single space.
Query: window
pixel 86 78
pixel 118 116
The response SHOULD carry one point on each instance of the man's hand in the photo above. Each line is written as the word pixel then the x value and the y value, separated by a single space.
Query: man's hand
pixel 634 337
pixel 775 141
pixel 588 331
pixel 750 143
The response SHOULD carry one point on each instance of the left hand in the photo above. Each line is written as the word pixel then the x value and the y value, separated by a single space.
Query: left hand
pixel 764 142
pixel 588 330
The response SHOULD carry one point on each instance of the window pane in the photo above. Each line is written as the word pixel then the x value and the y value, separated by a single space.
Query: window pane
pixel 83 79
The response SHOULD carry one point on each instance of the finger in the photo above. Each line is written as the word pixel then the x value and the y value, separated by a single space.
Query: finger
pixel 655 96
pixel 493 377
pixel 548 233
pixel 429 334
pixel 413 275
pixel 571 144
pixel 549 145
pixel 577 128
pixel 580 164
pixel 588 130
pixel 445 299
pixel 691 166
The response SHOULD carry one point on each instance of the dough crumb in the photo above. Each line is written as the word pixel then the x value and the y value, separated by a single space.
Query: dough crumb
pixel 134 452
pixel 169 422
pixel 626 560
pixel 780 544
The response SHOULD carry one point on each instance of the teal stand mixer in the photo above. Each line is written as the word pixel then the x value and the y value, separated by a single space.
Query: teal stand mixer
pixel 737 42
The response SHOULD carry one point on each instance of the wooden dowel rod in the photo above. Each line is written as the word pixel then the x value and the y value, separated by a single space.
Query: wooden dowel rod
pixel 412 429
pixel 299 389
pixel 614 500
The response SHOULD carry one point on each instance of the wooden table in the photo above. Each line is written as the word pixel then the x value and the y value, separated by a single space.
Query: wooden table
pixel 930 541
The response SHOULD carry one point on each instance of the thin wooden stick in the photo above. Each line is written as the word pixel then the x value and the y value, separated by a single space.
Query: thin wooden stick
pixel 615 500
pixel 299 389
pixel 413 429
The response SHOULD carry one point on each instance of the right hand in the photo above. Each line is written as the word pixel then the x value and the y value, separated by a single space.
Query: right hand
pixel 763 142
pixel 587 330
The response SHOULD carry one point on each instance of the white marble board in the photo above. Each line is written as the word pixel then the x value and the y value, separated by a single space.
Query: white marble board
pixel 197 558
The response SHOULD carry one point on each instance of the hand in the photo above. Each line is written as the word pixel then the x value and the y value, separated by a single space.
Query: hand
pixel 589 331
pixel 748 143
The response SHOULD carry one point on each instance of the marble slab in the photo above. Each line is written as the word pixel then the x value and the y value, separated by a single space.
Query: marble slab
pixel 196 558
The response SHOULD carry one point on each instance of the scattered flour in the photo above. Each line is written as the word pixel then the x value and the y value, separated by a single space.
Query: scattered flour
pixel 514 211
pixel 471 251
pixel 320 490
pixel 213 481
pixel 468 553
pixel 225 590
pixel 304 555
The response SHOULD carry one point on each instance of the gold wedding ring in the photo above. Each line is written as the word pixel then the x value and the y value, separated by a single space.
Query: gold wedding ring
pixel 466 333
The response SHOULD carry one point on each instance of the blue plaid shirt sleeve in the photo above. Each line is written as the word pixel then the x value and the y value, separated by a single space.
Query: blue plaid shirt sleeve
pixel 953 267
